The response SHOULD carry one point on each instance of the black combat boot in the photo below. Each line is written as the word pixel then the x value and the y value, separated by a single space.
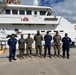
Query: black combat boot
pixel 10 60
pixel 14 58
pixel 68 57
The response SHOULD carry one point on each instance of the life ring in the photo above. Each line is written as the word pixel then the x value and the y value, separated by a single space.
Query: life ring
pixel 25 19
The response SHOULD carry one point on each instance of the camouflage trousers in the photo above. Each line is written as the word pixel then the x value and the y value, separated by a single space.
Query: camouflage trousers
pixel 29 49
pixel 57 50
pixel 38 49
pixel 21 52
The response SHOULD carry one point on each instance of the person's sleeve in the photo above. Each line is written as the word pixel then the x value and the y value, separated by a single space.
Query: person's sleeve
pixel 26 40
pixel 16 41
pixel 35 38
pixel 19 41
pixel 51 38
pixel 41 37
pixel 45 37
pixel 8 42
pixel 62 39
pixel 32 40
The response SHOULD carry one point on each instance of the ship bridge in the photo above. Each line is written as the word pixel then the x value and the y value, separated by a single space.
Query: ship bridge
pixel 27 15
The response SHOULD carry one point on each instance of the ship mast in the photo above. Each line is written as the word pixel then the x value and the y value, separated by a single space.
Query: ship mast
pixel 36 2
pixel 12 1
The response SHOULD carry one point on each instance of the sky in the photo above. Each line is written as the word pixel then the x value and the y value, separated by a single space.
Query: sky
pixel 65 8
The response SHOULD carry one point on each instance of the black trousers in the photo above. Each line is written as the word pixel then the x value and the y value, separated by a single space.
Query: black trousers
pixel 12 53
pixel 66 50
pixel 47 47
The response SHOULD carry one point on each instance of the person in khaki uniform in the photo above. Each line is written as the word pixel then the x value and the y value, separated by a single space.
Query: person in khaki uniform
pixel 29 42
pixel 21 43
pixel 57 39
pixel 38 43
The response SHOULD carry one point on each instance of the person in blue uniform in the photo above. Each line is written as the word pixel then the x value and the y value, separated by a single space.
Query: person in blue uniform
pixel 12 47
pixel 66 45
pixel 47 46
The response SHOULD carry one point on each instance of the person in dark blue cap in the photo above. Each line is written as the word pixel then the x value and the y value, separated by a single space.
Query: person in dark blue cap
pixel 47 39
pixel 12 47
pixel 66 45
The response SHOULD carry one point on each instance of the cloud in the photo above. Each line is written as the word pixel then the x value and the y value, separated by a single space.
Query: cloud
pixel 67 9
pixel 49 2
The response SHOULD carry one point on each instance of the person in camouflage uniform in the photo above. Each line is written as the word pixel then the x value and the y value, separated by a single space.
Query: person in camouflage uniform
pixel 56 40
pixel 29 42
pixel 38 43
pixel 21 43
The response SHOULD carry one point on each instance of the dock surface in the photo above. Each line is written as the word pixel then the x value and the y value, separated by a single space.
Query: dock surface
pixel 39 66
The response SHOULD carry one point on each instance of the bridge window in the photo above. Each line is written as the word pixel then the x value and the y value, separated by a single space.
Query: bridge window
pixel 16 30
pixel 55 31
pixel 42 31
pixel 48 14
pixel 42 12
pixel 22 12
pixel 61 31
pixel 49 31
pixel 28 12
pixel 35 12
pixel 15 12
pixel 7 11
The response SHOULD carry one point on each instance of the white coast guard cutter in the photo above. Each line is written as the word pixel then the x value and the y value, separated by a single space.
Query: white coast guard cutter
pixel 24 19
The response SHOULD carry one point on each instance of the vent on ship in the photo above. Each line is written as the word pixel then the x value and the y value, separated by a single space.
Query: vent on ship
pixel 50 19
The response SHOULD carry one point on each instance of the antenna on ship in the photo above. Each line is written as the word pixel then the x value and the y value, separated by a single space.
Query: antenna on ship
pixel 36 2
pixel 12 1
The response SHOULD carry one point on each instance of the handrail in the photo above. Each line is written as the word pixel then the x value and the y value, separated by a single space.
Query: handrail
pixel 60 20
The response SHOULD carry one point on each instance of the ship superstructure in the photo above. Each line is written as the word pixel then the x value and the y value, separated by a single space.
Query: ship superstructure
pixel 24 19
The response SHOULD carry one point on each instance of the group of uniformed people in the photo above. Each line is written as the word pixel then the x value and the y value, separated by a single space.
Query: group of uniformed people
pixel 38 38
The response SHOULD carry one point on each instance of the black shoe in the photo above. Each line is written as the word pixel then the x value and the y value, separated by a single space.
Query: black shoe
pixel 59 56
pixel 14 59
pixel 63 56
pixel 44 56
pixel 49 56
pixel 68 58
pixel 10 60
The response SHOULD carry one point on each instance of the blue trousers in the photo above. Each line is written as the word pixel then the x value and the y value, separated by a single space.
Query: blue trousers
pixel 66 49
pixel 12 53
pixel 47 47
